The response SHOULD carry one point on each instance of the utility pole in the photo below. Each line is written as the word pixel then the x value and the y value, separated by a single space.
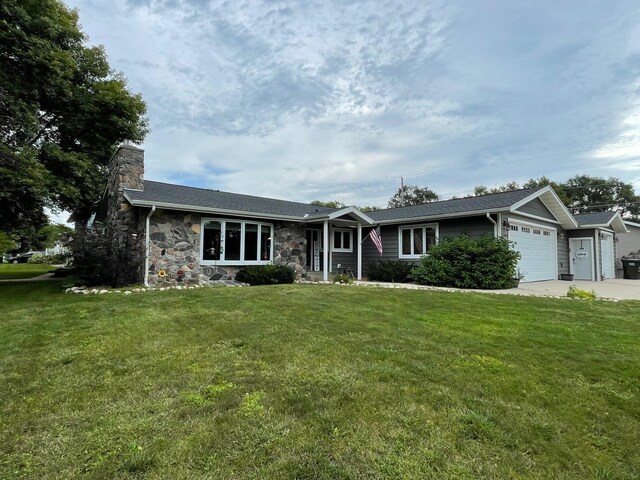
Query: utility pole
pixel 401 192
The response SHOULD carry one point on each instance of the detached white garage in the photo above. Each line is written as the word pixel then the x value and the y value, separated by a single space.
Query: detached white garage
pixel 538 251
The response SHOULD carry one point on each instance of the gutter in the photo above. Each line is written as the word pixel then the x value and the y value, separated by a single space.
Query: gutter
pixel 495 225
pixel 146 247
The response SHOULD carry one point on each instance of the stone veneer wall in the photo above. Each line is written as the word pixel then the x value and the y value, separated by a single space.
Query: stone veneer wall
pixel 291 246
pixel 125 224
pixel 175 245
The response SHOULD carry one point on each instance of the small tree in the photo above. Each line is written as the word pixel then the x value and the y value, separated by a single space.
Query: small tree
pixel 412 195
pixel 486 263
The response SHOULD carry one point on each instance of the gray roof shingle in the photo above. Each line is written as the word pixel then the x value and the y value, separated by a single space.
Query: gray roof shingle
pixel 178 195
pixel 595 218
pixel 496 201
pixel 166 193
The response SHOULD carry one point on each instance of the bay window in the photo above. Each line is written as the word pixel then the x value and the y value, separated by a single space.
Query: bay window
pixel 235 242
pixel 415 241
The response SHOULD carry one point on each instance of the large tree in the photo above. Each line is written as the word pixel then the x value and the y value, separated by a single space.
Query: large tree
pixel 412 195
pixel 63 111
pixel 583 194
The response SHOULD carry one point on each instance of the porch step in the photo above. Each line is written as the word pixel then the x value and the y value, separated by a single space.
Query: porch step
pixel 317 276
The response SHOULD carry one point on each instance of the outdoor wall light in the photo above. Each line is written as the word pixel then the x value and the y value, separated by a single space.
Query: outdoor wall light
pixel 561 236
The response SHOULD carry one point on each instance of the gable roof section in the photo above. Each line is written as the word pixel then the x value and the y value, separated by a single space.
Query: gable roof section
pixel 178 197
pixel 492 203
pixel 553 203
pixel 610 219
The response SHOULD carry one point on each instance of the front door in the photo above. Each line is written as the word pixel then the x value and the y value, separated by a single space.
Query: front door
pixel 581 254
pixel 314 250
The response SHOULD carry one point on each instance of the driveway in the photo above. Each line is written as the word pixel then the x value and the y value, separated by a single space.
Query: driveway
pixel 615 288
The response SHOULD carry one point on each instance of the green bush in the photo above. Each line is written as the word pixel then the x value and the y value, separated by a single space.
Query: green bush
pixel 48 259
pixel 486 263
pixel 266 274
pixel 343 278
pixel 389 271
pixel 575 292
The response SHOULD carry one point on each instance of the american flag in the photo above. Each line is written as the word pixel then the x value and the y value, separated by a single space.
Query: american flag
pixel 377 240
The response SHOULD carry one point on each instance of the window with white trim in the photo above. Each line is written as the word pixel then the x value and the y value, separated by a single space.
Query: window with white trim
pixel 342 240
pixel 235 242
pixel 416 241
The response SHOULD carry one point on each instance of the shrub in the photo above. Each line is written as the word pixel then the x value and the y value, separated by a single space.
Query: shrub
pixel 343 278
pixel 266 274
pixel 487 263
pixel 389 271
pixel 575 292
pixel 48 259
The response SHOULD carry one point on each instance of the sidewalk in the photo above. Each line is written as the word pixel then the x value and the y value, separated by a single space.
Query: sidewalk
pixel 614 289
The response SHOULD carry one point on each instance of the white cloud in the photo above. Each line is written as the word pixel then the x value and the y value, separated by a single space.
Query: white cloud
pixel 335 99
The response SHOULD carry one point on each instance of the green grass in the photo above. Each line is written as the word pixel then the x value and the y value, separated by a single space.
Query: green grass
pixel 307 381
pixel 11 271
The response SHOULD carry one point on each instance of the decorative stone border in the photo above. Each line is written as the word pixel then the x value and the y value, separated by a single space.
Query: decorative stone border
pixel 357 283
pixel 129 291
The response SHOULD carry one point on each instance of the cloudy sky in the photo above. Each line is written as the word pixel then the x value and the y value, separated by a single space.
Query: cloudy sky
pixel 323 99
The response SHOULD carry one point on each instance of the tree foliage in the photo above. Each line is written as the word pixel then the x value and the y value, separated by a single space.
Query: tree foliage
pixel 412 195
pixel 583 194
pixel 62 113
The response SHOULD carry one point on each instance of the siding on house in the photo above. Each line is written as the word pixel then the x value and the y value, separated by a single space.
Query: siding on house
pixel 625 244
pixel 628 242
pixel 537 207
pixel 562 238
pixel 474 227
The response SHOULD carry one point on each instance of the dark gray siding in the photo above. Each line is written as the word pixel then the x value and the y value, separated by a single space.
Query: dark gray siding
pixel 346 260
pixel 562 239
pixel 474 227
pixel 537 207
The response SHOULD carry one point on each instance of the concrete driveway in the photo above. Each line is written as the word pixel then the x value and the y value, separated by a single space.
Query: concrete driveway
pixel 618 288
pixel 614 289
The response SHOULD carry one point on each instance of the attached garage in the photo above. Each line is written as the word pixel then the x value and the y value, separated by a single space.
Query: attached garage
pixel 538 251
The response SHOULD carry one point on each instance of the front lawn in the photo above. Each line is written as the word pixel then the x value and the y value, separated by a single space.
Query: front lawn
pixel 14 271
pixel 314 381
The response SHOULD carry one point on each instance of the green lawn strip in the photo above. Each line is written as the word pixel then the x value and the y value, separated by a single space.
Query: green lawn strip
pixel 316 382
pixel 11 271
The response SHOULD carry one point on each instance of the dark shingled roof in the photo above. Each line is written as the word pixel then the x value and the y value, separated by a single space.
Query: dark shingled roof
pixel 157 192
pixel 496 201
pixel 595 218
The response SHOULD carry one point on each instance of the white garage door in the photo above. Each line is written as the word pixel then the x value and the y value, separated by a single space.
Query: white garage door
pixel 537 247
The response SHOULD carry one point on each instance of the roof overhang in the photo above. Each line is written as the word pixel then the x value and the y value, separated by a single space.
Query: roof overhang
pixel 553 204
pixel 617 224
pixel 631 224
pixel 219 211
pixel 468 213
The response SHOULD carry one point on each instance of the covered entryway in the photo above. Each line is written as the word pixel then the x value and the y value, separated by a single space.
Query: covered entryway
pixel 581 263
pixel 538 250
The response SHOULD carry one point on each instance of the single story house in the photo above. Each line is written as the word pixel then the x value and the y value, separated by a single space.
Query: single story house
pixel 202 235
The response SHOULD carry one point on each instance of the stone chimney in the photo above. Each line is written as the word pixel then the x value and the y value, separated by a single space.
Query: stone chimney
pixel 125 224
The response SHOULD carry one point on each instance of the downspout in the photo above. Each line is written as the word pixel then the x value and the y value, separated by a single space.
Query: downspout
pixel 495 225
pixel 146 247
pixel 598 255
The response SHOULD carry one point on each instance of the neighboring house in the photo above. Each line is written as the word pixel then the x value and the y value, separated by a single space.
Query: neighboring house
pixel 209 235
pixel 627 244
